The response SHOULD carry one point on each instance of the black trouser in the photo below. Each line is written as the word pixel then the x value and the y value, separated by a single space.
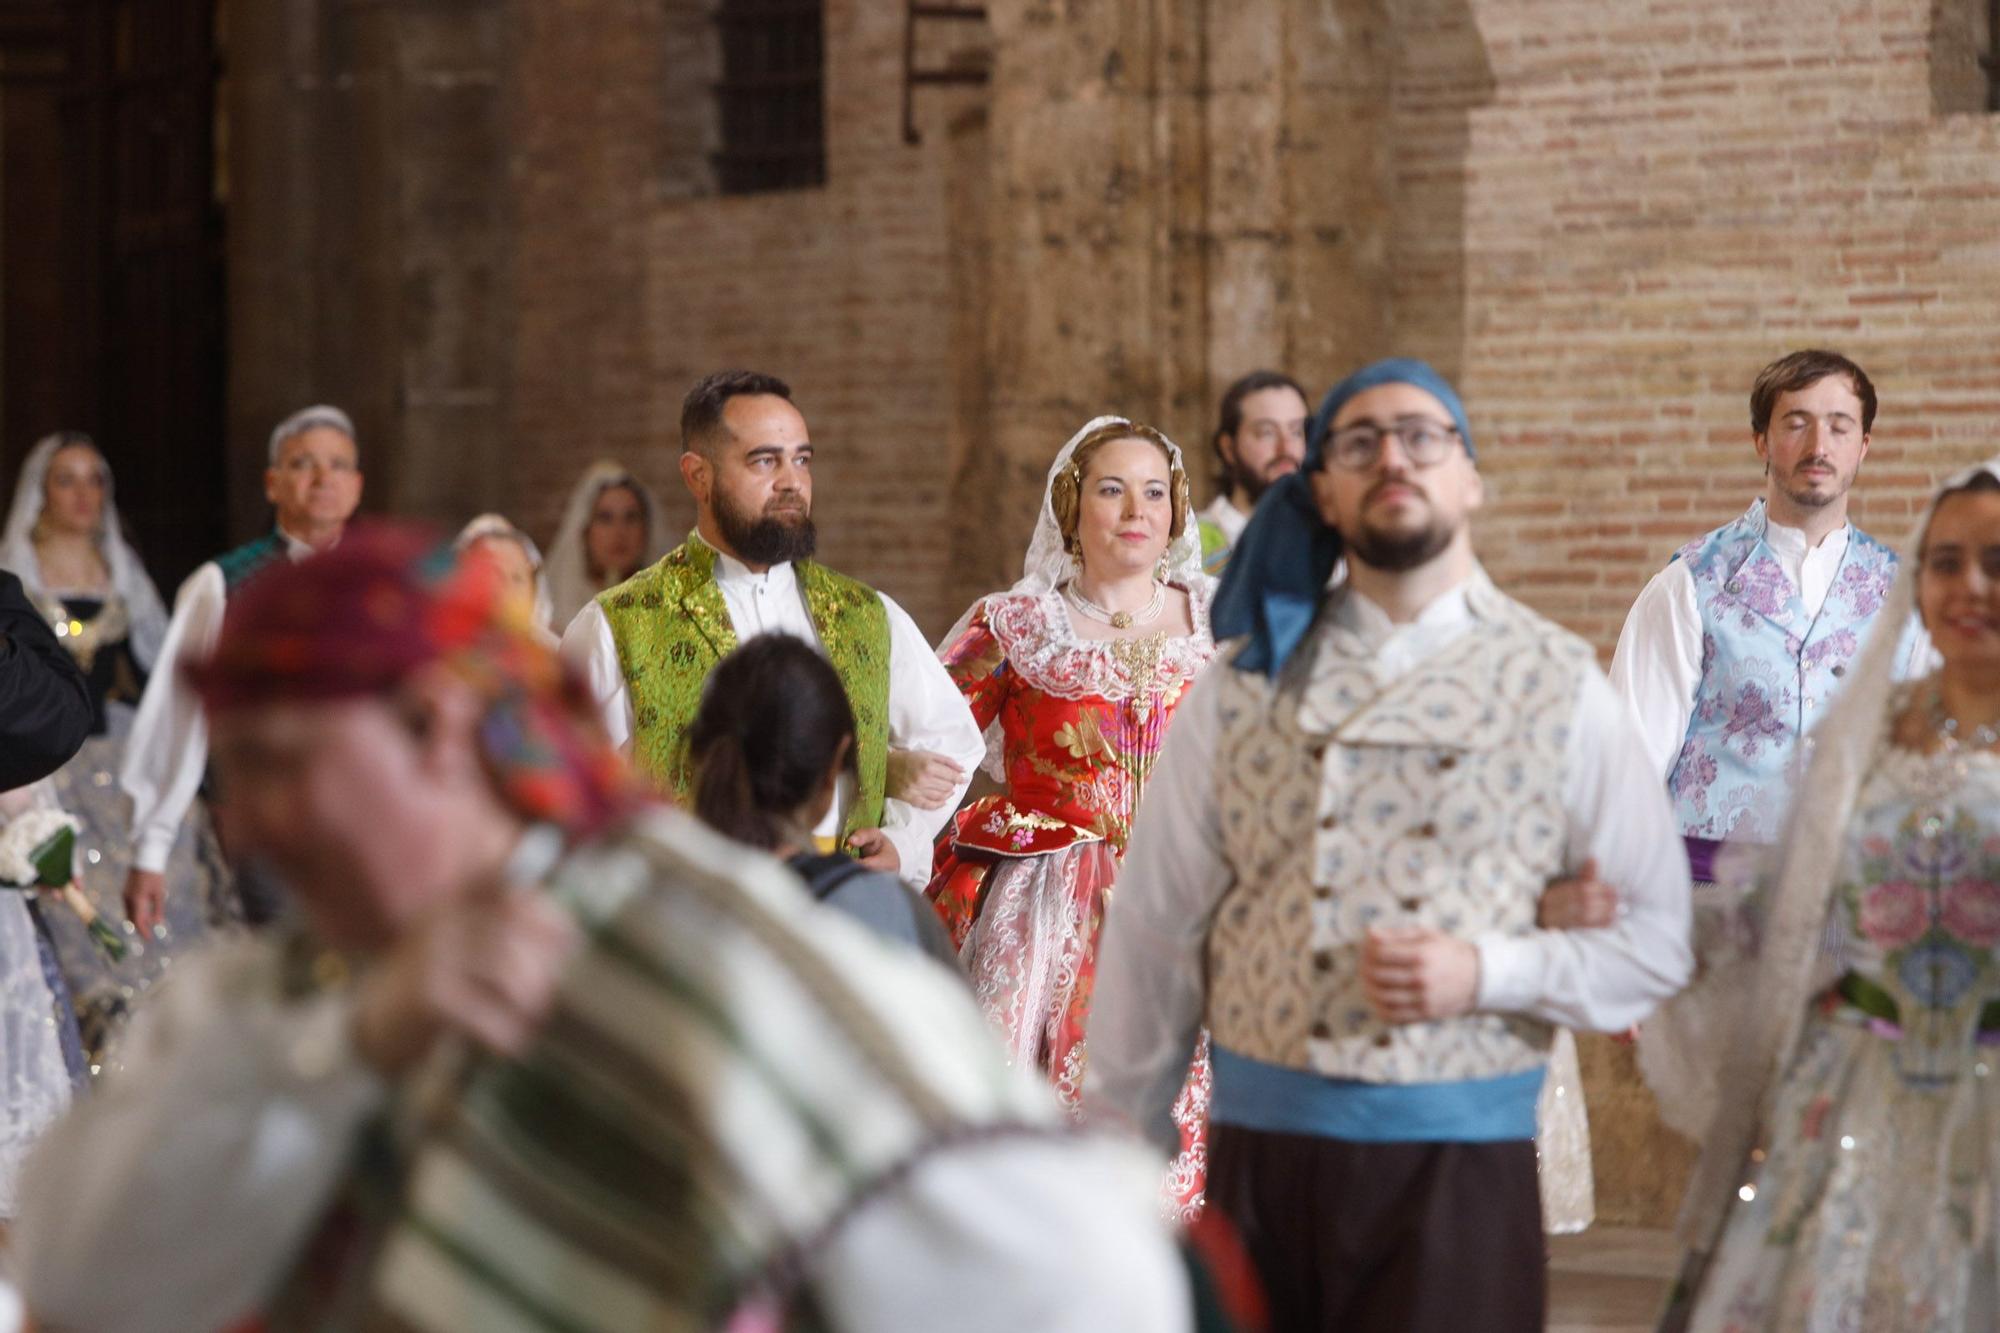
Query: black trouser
pixel 1398 1237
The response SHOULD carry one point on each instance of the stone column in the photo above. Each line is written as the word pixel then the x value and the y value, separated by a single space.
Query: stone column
pixel 1097 299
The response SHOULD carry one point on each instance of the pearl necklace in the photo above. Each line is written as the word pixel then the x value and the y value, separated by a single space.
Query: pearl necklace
pixel 1119 619
pixel 1984 736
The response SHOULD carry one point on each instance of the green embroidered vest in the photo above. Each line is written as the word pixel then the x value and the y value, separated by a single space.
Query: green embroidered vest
pixel 1214 548
pixel 671 627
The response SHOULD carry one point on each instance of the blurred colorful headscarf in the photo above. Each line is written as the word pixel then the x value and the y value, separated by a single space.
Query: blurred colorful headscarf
pixel 358 619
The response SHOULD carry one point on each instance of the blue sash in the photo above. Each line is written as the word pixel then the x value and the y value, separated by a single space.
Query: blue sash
pixel 1272 1098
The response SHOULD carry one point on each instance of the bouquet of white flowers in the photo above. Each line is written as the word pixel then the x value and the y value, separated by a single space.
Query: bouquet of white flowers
pixel 38 851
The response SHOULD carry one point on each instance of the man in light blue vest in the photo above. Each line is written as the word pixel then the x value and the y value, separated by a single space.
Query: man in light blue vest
pixel 1729 657
pixel 1734 650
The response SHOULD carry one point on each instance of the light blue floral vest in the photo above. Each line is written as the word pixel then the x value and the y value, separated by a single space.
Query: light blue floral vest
pixel 1768 671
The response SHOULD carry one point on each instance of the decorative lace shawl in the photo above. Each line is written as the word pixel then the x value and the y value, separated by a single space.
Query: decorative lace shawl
pixel 1044 649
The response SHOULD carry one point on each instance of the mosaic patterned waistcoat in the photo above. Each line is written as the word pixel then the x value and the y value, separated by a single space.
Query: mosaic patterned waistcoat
pixel 1351 799
pixel 672 626
pixel 1768 670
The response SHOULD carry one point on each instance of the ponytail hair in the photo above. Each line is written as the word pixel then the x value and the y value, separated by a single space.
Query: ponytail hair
pixel 773 715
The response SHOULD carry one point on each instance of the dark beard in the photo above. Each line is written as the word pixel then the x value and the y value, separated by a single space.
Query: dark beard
pixel 765 540
pixel 1252 485
pixel 1399 554
pixel 1247 484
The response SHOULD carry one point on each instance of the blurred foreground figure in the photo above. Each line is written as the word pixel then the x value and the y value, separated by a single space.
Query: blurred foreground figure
pixel 541 1054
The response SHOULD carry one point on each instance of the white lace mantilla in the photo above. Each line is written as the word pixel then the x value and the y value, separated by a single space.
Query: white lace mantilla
pixel 1045 651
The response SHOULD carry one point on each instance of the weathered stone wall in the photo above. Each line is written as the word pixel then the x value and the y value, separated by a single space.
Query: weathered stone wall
pixel 369 239
pixel 589 129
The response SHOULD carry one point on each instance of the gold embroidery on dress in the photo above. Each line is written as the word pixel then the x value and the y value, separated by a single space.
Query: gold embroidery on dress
pixel 81 639
pixel 1140 657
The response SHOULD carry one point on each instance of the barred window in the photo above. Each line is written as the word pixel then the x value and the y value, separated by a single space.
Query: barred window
pixel 771 98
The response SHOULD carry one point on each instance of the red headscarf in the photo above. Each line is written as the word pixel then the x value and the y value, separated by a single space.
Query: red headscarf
pixel 358 619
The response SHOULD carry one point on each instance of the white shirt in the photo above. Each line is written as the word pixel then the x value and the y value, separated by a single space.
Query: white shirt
pixel 926 711
pixel 1222 512
pixel 1150 993
pixel 1657 664
pixel 168 749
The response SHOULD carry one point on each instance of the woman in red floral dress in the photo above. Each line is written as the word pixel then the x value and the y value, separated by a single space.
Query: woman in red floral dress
pixel 1075 673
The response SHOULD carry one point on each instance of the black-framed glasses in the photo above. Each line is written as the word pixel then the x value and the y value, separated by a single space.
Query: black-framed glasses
pixel 1359 446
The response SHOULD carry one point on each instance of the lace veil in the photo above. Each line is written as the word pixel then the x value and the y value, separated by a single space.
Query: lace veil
pixel 128 574
pixel 1048 565
pixel 1845 747
pixel 496 525
pixel 567 568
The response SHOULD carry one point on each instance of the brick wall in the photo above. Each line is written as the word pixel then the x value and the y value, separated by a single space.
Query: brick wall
pixel 589 117
pixel 1603 219
pixel 1658 200
pixel 635 281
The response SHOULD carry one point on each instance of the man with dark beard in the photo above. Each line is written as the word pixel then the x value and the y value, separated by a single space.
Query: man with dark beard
pixel 1338 865
pixel 1261 437
pixel 647 645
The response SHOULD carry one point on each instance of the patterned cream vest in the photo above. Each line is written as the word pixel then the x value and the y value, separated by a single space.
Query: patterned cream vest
pixel 1349 800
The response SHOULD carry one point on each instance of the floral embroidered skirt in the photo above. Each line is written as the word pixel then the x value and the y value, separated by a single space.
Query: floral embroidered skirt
pixel 1874 1206
pixel 1027 930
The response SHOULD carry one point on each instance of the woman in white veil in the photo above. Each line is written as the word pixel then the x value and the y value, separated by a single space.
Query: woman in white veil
pixel 64 540
pixel 524 570
pixel 1074 673
pixel 122 574
pixel 1851 1175
pixel 611 529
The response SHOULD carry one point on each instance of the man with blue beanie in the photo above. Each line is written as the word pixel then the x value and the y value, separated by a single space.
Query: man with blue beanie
pixel 1337 868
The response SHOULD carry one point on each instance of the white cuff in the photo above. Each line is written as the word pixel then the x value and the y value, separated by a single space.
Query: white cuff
pixel 153 849
pixel 1509 973
pixel 913 850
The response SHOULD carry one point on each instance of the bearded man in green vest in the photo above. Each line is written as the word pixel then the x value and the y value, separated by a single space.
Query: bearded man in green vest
pixel 647 646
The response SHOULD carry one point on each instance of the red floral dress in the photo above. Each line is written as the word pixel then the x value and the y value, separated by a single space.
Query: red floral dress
pixel 1022 877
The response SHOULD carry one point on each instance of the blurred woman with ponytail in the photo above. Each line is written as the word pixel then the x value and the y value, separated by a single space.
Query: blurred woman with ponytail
pixel 768 748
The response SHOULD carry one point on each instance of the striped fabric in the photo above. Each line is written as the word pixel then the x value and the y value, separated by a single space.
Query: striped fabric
pixel 728 1070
